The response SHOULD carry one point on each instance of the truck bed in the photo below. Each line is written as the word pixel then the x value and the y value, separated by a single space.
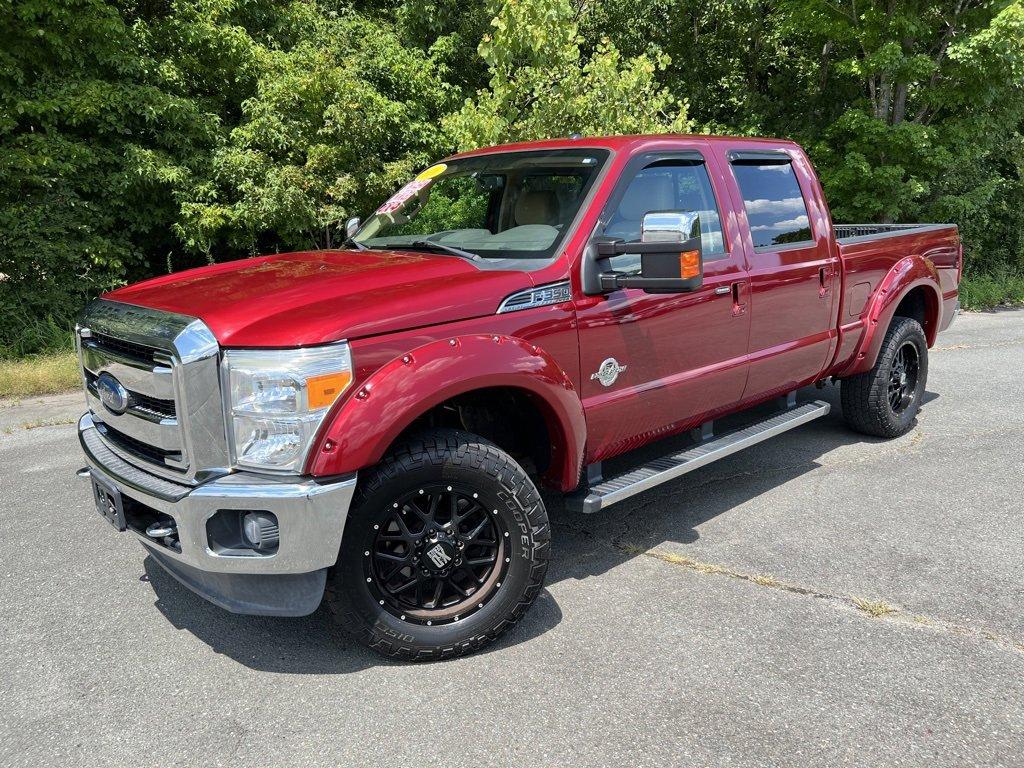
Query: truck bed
pixel 855 233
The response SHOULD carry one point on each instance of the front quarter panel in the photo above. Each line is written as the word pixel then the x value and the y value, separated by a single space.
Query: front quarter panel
pixel 390 399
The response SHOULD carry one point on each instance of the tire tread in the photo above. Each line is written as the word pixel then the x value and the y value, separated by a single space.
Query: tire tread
pixel 441 447
pixel 864 396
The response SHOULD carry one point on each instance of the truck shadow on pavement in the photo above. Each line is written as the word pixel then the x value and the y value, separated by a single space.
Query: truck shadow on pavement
pixel 583 546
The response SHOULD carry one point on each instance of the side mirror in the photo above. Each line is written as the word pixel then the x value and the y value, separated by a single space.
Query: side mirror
pixel 352 226
pixel 670 255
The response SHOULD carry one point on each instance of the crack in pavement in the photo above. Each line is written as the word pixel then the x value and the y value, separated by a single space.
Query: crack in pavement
pixel 875 610
pixel 993 345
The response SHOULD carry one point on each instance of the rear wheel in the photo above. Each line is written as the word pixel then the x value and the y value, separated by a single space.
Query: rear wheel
pixel 885 400
pixel 446 547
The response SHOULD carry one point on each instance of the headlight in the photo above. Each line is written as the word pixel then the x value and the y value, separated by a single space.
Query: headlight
pixel 277 399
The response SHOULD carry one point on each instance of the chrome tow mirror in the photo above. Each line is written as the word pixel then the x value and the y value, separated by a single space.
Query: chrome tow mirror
pixel 669 227
pixel 670 255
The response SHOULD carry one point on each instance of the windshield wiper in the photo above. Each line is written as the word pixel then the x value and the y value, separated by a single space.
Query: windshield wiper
pixel 431 245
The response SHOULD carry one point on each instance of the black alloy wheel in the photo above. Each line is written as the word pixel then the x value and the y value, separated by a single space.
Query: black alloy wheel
pixel 445 548
pixel 903 373
pixel 438 557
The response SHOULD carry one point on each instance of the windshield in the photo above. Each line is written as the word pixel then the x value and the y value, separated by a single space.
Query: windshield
pixel 502 205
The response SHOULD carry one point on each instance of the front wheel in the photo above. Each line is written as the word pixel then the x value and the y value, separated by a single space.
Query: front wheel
pixel 446 547
pixel 885 400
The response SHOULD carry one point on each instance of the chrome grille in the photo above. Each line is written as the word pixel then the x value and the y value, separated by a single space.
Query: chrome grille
pixel 146 406
pixel 139 351
pixel 172 423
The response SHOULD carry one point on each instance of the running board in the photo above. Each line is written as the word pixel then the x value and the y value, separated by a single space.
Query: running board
pixel 665 468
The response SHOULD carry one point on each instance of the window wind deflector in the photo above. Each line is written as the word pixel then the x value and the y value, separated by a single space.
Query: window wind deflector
pixel 669 156
pixel 760 157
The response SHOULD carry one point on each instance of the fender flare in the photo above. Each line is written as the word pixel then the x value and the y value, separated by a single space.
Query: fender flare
pixel 369 420
pixel 906 275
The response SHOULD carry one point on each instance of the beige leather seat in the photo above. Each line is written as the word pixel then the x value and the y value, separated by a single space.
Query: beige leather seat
pixel 645 193
pixel 537 207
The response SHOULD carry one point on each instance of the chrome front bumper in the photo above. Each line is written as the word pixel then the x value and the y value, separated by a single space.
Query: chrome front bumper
pixel 311 516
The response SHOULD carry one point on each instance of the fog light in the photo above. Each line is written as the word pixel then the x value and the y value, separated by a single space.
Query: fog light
pixel 261 531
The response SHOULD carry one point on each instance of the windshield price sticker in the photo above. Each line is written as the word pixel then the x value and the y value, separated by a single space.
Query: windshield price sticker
pixel 402 196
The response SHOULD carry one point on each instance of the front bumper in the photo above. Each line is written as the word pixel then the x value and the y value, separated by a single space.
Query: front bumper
pixel 289 582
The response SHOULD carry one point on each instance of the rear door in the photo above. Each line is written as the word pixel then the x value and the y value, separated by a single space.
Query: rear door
pixel 792 270
pixel 653 364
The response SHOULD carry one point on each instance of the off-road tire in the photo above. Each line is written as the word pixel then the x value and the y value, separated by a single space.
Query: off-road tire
pixel 865 397
pixel 448 456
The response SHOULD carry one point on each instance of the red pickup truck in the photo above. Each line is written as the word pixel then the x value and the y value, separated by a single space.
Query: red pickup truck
pixel 366 426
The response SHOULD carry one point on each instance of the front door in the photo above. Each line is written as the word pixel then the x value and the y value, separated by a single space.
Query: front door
pixel 654 364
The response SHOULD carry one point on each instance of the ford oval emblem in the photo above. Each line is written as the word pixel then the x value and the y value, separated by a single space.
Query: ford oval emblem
pixel 112 394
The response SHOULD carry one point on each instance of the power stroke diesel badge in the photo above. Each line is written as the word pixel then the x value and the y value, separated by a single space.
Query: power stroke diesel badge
pixel 608 372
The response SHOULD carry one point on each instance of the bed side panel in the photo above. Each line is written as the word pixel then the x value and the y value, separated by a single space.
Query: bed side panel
pixel 866 262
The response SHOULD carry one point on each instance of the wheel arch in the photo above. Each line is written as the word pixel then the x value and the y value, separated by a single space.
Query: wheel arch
pixel 402 394
pixel 910 289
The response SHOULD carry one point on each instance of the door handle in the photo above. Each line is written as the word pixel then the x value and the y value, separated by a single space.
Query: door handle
pixel 722 290
pixel 824 275
pixel 739 305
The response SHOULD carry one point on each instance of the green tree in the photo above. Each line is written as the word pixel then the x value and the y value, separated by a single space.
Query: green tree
pixel 934 106
pixel 140 137
pixel 335 123
pixel 542 84
pixel 88 132
pixel 910 110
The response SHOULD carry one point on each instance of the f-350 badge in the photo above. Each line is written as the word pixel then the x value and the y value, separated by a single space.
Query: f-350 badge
pixel 608 372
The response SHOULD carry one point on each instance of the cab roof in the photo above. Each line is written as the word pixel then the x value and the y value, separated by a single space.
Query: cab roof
pixel 627 143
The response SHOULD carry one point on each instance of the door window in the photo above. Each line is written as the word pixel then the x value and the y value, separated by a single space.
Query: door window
pixel 666 185
pixel 775 207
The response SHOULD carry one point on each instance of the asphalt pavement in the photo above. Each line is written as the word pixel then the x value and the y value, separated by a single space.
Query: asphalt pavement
pixel 823 599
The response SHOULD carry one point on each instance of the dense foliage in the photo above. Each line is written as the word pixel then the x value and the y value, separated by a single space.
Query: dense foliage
pixel 141 136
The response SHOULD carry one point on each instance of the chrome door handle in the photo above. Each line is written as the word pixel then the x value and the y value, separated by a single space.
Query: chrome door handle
pixel 722 290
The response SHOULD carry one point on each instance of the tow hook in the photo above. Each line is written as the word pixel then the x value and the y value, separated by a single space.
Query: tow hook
pixel 165 531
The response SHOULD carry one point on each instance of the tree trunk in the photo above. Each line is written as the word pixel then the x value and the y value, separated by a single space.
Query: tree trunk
pixel 899 107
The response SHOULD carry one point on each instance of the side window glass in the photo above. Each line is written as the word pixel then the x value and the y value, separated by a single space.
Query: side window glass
pixel 775 206
pixel 666 185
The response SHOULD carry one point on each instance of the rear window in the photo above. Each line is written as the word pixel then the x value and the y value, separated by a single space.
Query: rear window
pixel 775 207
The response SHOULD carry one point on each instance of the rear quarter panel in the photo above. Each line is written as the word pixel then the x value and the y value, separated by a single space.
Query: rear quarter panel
pixel 878 271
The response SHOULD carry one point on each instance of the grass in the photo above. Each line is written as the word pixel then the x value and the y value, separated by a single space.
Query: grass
pixel 874 608
pixel 44 374
pixel 991 291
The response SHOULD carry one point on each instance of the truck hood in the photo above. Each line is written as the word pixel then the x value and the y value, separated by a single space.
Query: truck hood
pixel 315 297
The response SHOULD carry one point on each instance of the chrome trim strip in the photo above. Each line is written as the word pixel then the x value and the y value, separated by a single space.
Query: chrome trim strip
pixel 894 230
pixel 151 380
pixel 150 327
pixel 163 435
pixel 123 473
